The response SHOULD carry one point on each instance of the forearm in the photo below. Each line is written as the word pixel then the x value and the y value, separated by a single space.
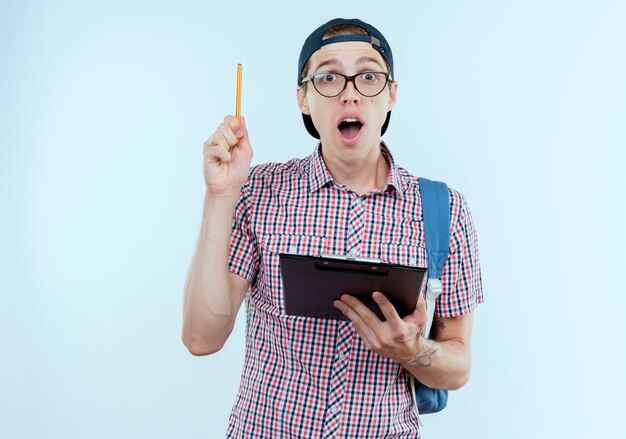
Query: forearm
pixel 441 365
pixel 209 312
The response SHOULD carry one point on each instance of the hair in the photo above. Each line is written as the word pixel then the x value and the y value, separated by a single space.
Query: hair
pixel 343 29
pixel 333 31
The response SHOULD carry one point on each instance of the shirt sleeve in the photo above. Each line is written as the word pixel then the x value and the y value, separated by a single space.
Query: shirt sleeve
pixel 244 253
pixel 461 277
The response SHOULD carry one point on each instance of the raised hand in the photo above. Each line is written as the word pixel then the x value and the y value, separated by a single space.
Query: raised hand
pixel 227 157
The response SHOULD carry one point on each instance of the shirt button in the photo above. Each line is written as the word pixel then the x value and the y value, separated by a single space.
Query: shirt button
pixel 292 249
pixel 341 356
pixel 353 252
pixel 334 410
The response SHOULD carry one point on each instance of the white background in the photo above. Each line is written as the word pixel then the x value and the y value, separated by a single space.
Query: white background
pixel 520 105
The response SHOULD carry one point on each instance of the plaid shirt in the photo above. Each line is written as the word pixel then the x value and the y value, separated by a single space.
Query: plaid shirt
pixel 314 378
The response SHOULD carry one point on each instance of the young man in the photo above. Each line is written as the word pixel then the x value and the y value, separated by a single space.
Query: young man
pixel 306 377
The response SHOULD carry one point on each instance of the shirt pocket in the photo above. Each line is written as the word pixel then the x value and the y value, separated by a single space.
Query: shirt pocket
pixel 398 240
pixel 396 229
pixel 412 255
pixel 271 288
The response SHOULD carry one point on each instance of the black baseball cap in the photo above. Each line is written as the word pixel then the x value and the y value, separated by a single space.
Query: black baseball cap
pixel 315 42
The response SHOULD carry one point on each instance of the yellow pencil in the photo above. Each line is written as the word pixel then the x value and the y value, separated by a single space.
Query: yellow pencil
pixel 238 105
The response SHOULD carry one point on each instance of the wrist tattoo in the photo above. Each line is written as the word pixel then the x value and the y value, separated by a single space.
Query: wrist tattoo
pixel 423 357
pixel 441 324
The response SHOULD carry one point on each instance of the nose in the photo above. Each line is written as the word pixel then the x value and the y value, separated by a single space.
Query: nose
pixel 349 94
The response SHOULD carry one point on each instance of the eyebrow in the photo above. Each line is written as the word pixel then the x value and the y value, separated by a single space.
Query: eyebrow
pixel 366 59
pixel 329 62
pixel 336 63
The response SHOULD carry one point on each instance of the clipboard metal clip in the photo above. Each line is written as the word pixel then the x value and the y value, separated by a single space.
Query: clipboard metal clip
pixel 351 258
pixel 347 264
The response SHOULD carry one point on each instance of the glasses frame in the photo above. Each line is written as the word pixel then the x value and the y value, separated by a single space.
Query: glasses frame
pixel 309 78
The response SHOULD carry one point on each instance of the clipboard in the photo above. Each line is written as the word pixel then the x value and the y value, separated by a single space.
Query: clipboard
pixel 312 283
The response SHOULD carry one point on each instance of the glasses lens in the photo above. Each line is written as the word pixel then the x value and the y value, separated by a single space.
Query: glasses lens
pixel 370 83
pixel 329 84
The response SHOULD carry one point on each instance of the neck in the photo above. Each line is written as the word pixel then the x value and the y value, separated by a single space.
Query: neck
pixel 360 175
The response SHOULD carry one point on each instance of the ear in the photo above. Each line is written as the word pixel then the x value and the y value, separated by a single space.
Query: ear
pixel 393 90
pixel 303 103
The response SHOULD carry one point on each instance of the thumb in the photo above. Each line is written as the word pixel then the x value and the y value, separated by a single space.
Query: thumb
pixel 244 140
pixel 420 315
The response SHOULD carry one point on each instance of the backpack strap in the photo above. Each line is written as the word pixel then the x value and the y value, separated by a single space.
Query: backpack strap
pixel 436 214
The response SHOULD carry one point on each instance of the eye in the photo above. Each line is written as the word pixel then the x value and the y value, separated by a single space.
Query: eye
pixel 369 77
pixel 327 78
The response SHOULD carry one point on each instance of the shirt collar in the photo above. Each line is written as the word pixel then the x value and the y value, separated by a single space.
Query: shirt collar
pixel 319 175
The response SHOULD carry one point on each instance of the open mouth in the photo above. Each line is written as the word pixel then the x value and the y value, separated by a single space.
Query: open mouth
pixel 350 127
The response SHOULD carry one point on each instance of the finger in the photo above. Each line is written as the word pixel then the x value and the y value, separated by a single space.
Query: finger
pixel 363 311
pixel 216 146
pixel 419 316
pixel 228 134
pixel 420 307
pixel 365 331
pixel 235 125
pixel 214 153
pixel 211 142
pixel 217 139
pixel 387 308
pixel 244 140
pixel 221 154
pixel 239 129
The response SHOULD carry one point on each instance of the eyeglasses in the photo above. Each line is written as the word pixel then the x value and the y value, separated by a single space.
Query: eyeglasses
pixel 331 85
